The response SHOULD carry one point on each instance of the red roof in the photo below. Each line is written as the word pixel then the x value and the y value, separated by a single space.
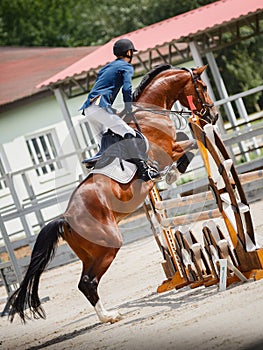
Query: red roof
pixel 172 29
pixel 21 69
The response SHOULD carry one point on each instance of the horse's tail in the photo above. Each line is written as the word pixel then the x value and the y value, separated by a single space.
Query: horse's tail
pixel 26 296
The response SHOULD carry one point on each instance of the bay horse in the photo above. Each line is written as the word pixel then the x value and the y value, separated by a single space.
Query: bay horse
pixel 90 222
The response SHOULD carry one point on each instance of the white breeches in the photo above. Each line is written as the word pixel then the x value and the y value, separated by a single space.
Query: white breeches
pixel 100 121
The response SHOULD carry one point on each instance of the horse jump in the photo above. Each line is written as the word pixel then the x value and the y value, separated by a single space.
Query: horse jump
pixel 187 261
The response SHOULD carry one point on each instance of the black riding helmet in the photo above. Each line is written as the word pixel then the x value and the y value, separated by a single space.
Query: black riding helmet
pixel 121 47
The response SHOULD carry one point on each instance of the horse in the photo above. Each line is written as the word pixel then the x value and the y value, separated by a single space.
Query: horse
pixel 90 223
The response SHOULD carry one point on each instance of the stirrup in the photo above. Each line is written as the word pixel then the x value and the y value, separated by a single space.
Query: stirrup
pixel 146 172
pixel 154 176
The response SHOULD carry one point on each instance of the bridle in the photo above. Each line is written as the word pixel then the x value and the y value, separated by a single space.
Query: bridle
pixel 205 111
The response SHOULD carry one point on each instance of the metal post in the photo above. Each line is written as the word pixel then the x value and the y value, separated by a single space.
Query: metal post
pixel 243 114
pixel 224 94
pixel 198 60
pixel 33 199
pixel 221 88
pixel 11 186
pixel 10 250
pixel 65 112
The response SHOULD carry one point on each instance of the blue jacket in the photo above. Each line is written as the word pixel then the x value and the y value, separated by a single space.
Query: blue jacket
pixel 109 81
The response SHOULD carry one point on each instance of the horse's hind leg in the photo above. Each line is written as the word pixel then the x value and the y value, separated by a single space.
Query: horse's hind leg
pixel 93 269
pixel 96 260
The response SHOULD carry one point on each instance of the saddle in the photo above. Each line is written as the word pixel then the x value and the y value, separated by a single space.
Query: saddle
pixel 114 146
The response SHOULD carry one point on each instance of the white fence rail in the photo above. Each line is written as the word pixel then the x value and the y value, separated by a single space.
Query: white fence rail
pixel 35 203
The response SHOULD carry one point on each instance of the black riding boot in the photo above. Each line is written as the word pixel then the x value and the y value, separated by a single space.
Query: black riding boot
pixel 137 155
pixel 108 138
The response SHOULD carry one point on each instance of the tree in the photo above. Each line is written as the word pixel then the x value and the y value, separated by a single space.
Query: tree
pixel 82 22
pixel 241 68
pixel 36 22
pixel 73 23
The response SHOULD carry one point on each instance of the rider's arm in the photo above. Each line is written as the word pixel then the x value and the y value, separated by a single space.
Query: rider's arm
pixel 127 87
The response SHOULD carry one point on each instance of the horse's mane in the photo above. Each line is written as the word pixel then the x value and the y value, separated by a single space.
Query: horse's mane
pixel 148 78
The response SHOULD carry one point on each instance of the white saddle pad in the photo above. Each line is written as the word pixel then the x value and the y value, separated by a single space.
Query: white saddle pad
pixel 115 172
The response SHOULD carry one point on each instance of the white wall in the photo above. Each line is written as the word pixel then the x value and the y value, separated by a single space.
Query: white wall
pixel 21 123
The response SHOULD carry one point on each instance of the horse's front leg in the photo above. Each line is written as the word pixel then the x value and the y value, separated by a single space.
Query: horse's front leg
pixel 183 156
pixel 89 282
pixel 182 147
pixel 106 316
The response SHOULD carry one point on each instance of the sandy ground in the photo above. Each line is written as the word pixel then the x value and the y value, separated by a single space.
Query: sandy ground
pixel 200 319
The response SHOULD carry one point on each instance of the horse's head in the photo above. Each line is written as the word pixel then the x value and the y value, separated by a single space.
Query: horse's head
pixel 156 95
pixel 196 87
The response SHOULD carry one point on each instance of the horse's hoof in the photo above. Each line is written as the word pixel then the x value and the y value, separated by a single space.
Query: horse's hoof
pixel 111 318
pixel 172 175
pixel 107 316
pixel 116 319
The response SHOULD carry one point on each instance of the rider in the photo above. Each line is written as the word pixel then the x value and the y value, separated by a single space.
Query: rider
pixel 102 116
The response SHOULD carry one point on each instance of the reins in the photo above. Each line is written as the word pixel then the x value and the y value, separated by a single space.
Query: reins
pixel 182 114
pixel 166 112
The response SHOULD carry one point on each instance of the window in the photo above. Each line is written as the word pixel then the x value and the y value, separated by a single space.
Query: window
pixel 42 149
pixel 3 184
pixel 88 138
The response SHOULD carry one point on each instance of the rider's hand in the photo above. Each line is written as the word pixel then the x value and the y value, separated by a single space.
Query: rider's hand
pixel 128 115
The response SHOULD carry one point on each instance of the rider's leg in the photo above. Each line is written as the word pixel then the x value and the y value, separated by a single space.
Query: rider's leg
pixel 97 126
pixel 138 156
pixel 101 120
pixel 108 138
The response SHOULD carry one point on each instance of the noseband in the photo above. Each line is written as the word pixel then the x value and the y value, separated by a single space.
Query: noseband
pixel 205 111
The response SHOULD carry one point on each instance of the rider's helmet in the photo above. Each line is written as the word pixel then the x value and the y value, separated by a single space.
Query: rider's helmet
pixel 121 47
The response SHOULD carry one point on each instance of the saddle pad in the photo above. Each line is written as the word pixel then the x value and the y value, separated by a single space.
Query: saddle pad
pixel 115 172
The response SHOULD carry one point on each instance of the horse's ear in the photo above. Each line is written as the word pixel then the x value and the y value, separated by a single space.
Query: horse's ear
pixel 200 70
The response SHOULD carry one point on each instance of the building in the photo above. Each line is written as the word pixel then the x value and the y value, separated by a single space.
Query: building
pixel 43 136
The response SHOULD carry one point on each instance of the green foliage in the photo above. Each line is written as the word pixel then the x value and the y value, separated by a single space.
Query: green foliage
pixel 36 22
pixel 72 23
pixel 242 69
pixel 82 22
